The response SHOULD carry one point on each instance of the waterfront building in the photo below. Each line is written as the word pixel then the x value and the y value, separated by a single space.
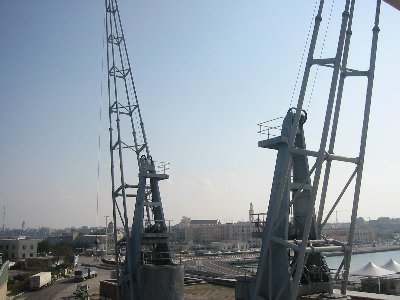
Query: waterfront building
pixel 205 232
pixel 111 238
pixel 362 234
pixel 18 248
pixel 225 246
pixel 91 241
pixel 184 223
pixel 242 231
pixel 64 237
pixel 201 231
pixel 178 231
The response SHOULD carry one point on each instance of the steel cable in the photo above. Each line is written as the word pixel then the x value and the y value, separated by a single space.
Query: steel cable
pixel 304 53
pixel 100 127
pixel 320 56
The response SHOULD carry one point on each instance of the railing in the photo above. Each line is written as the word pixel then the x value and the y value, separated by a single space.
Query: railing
pixel 259 221
pixel 162 167
pixel 271 128
pixel 157 258
pixel 147 225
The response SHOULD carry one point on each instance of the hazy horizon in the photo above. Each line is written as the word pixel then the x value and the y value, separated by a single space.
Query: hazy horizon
pixel 100 226
pixel 206 73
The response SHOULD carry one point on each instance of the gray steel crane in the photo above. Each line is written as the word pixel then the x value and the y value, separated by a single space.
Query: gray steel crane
pixel 292 263
pixel 145 241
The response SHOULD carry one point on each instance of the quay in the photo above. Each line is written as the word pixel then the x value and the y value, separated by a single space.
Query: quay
pixel 367 249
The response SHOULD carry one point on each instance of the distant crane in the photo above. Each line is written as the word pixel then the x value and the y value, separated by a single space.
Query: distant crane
pixel 291 263
pixel 146 239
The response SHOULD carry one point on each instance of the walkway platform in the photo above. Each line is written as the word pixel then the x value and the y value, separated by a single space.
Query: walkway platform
pixel 370 296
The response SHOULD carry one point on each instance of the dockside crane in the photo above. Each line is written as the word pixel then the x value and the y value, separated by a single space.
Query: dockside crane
pixel 292 263
pixel 143 260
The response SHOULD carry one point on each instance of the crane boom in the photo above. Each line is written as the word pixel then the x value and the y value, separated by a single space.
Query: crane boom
pixel 146 235
pixel 292 263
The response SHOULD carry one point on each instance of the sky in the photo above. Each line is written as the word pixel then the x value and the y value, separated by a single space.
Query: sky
pixel 206 73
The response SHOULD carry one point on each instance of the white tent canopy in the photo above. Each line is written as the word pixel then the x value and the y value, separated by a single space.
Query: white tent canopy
pixel 372 270
pixel 392 266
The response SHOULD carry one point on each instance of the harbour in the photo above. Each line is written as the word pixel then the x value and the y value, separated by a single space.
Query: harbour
pixel 361 259
pixel 319 228
pixel 358 260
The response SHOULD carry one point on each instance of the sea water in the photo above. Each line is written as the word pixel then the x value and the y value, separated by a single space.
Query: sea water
pixel 360 260
pixel 357 260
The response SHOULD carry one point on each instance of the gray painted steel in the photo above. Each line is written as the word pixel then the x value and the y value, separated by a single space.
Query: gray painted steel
pixel 243 287
pixel 161 282
pixel 291 264
pixel 280 232
pixel 4 280
pixel 146 236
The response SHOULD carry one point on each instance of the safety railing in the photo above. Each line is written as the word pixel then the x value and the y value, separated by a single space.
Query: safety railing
pixel 156 258
pixel 162 167
pixel 149 226
pixel 271 128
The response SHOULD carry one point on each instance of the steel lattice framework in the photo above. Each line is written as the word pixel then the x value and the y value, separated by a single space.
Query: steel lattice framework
pixel 291 263
pixel 146 236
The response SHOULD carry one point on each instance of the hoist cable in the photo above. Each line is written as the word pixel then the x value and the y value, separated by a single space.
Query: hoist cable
pixel 100 127
pixel 304 53
pixel 320 56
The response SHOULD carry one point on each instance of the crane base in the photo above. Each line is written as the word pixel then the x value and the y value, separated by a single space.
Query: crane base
pixel 161 282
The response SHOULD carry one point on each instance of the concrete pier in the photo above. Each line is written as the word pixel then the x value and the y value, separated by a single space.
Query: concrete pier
pixel 244 287
pixel 161 282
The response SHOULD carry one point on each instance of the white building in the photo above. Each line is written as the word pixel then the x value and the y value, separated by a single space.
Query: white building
pixel 111 238
pixel 17 248
pixel 204 232
pixel 229 246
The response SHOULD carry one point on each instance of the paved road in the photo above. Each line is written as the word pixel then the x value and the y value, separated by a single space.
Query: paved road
pixel 216 265
pixel 63 288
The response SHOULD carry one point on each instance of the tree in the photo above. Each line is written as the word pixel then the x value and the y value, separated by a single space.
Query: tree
pixel 44 246
pixel 63 249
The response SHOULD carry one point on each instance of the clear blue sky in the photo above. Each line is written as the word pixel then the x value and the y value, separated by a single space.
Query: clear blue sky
pixel 206 72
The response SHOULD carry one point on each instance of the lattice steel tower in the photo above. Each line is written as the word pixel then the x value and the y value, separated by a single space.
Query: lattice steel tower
pixel 291 262
pixel 146 235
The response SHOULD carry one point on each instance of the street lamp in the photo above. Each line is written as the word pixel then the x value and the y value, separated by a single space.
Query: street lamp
pixel 106 234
